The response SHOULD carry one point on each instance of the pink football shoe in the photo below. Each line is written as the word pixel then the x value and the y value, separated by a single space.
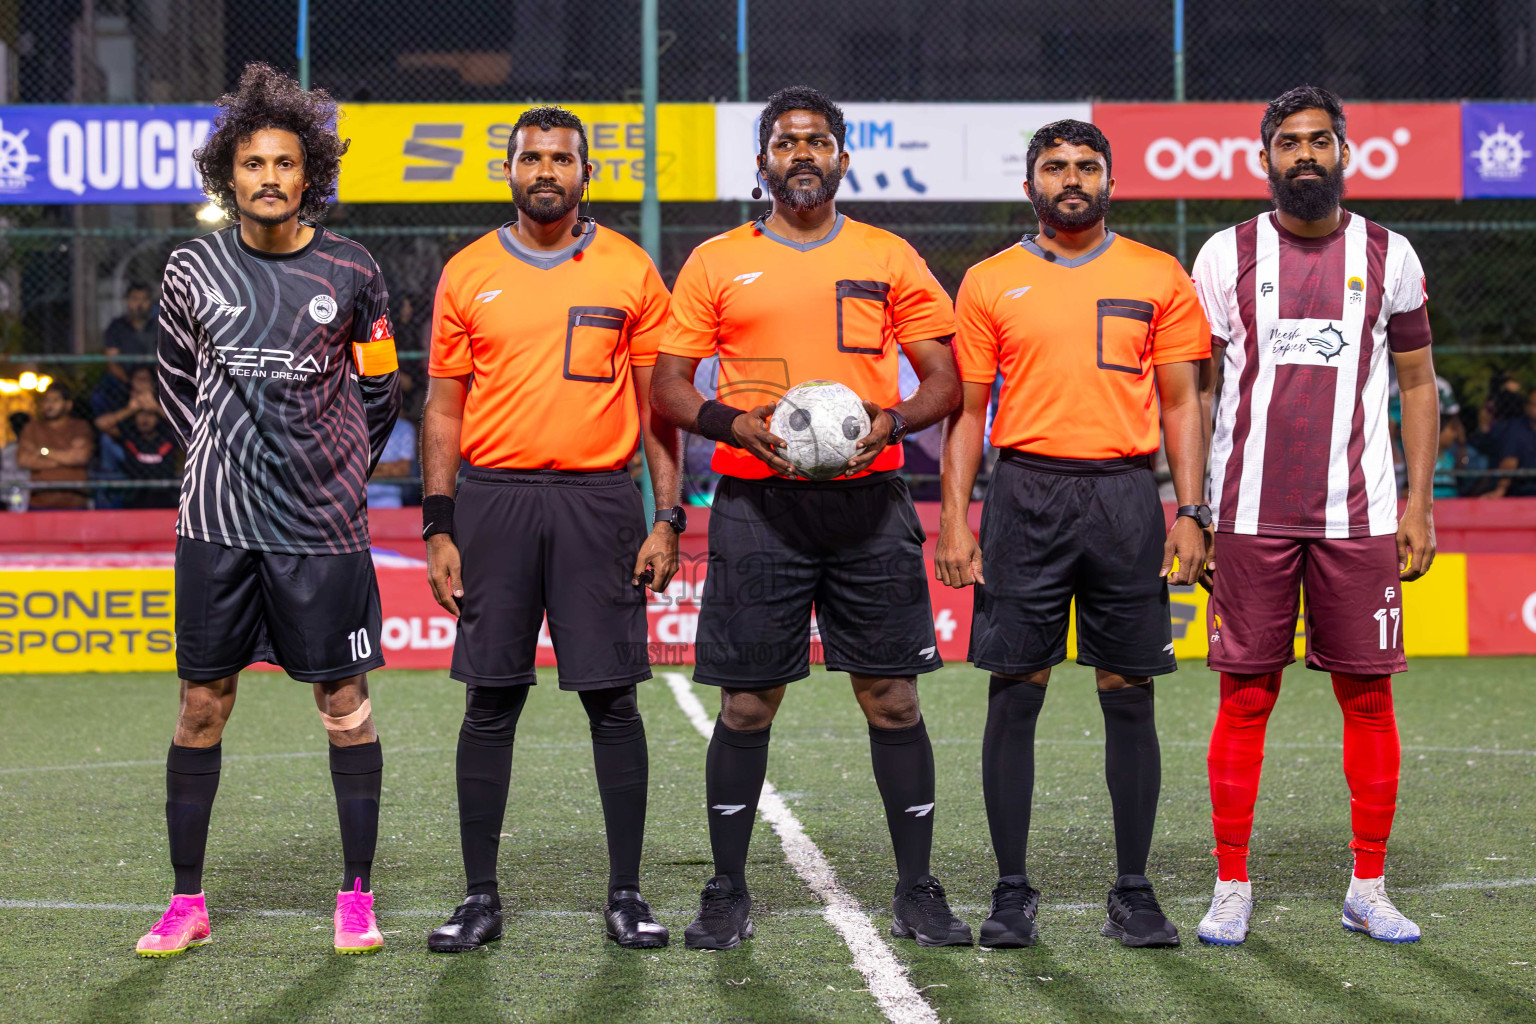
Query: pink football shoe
pixel 183 925
pixel 356 929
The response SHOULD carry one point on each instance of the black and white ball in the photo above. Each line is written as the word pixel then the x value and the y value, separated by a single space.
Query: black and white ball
pixel 822 421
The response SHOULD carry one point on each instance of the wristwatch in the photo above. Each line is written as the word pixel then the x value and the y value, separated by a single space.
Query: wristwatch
pixel 675 517
pixel 1201 514
pixel 898 427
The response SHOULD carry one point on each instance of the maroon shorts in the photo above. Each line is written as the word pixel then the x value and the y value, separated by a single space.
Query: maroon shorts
pixel 1354 604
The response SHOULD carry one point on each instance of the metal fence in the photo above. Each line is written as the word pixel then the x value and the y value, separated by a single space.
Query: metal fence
pixel 63 270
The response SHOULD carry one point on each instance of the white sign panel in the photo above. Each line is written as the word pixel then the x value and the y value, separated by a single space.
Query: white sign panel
pixel 908 152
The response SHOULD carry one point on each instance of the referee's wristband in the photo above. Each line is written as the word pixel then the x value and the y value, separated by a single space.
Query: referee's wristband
pixel 436 515
pixel 714 422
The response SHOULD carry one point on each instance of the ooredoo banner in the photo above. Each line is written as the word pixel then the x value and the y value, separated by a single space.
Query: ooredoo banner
pixel 1211 150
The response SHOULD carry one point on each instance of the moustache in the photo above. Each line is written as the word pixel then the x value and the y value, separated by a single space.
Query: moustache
pixel 1073 193
pixel 547 187
pixel 1307 168
pixel 269 192
pixel 805 168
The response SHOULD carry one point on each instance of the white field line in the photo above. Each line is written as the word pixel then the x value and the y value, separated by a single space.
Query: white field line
pixel 680 912
pixel 159 762
pixel 887 978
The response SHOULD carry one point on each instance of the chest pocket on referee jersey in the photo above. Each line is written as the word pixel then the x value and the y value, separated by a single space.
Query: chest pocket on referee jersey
pixel 1125 334
pixel 861 307
pixel 592 336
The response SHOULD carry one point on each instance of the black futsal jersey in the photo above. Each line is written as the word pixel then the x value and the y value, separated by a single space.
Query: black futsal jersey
pixel 277 371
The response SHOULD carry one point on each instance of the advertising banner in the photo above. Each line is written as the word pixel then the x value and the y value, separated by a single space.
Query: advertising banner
pixel 1497 140
pixel 1501 603
pixel 913 152
pixel 69 154
pixel 1211 150
pixel 452 153
pixel 122 619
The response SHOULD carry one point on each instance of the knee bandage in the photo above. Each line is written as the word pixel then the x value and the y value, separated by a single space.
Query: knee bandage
pixel 346 723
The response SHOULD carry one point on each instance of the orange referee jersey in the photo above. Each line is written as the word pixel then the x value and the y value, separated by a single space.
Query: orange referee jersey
pixel 779 313
pixel 550 342
pixel 1076 341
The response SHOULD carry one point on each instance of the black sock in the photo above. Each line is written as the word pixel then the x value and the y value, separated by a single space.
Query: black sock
pixel 903 764
pixel 1008 768
pixel 1133 767
pixel 622 764
pixel 484 770
pixel 734 772
pixel 191 780
pixel 357 775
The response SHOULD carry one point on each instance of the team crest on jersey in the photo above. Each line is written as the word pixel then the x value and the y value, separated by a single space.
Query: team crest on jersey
pixel 1304 340
pixel 1356 289
pixel 322 308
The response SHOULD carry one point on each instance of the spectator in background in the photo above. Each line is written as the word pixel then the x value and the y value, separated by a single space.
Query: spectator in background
pixel 149 449
pixel 1512 445
pixel 57 446
pixel 133 333
pixel 397 462
pixel 14 479
pixel 1456 454
pixel 112 404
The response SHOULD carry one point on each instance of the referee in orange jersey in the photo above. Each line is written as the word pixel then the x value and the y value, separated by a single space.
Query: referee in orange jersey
pixel 1097 337
pixel 543 338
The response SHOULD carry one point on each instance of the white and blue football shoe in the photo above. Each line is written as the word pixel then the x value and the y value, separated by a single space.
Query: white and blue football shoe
pixel 1368 909
pixel 1226 923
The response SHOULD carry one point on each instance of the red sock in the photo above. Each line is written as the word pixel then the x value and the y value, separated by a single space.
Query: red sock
pixel 1372 762
pixel 1234 760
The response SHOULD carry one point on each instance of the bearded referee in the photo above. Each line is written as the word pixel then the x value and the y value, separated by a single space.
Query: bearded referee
pixel 543 339
pixel 806 293
pixel 1100 342
pixel 278 374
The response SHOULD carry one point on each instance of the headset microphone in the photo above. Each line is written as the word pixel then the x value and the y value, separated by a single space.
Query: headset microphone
pixel 579 228
pixel 1047 230
pixel 757 190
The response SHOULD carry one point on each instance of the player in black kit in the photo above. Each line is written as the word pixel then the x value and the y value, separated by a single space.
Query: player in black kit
pixel 278 373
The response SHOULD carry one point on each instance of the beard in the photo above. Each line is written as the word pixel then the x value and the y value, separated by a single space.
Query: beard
pixel 268 220
pixel 542 204
pixel 802 199
pixel 1097 209
pixel 1306 200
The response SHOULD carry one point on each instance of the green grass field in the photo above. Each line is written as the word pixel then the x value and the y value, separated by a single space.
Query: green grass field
pixel 81 824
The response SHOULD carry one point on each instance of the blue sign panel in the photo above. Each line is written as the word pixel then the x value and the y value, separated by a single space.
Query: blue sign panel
pixel 64 154
pixel 1497 144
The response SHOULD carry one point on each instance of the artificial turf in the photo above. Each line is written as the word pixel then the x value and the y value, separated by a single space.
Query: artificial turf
pixel 81 823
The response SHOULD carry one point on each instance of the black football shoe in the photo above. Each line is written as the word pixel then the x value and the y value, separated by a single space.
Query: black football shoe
pixel 723 919
pixel 1011 925
pixel 921 912
pixel 631 923
pixel 1134 916
pixel 472 924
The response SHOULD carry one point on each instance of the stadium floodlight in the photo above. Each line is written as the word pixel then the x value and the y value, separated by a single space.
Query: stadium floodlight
pixel 28 381
pixel 210 214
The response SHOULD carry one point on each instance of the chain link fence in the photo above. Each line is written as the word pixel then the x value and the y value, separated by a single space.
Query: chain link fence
pixel 64 270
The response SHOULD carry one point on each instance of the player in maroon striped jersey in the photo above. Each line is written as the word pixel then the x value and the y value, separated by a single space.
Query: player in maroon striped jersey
pixel 1307 304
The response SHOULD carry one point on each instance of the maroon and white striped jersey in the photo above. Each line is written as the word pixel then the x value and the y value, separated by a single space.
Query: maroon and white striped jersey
pixel 1301 446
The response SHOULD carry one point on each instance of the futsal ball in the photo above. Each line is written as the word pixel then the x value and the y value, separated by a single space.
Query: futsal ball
pixel 822 422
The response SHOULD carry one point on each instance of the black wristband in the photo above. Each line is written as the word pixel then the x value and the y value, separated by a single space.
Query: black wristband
pixel 436 515
pixel 714 422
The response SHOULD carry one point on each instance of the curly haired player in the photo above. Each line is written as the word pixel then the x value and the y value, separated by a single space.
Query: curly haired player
pixel 278 374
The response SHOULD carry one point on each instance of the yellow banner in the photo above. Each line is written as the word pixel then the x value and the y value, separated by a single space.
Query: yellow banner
pixel 109 620
pixel 453 152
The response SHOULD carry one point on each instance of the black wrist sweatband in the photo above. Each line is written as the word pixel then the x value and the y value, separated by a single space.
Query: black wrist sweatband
pixel 436 515
pixel 714 422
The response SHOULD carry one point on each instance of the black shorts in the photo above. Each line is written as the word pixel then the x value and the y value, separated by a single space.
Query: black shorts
pixel 537 542
pixel 852 550
pixel 1057 529
pixel 317 616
